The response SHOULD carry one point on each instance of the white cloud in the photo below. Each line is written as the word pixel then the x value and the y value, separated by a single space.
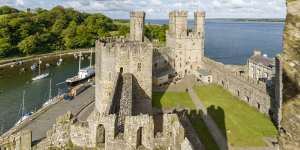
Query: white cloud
pixel 160 8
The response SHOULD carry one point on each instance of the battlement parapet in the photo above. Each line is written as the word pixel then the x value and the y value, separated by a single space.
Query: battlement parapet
pixel 139 14
pixel 178 13
pixel 199 13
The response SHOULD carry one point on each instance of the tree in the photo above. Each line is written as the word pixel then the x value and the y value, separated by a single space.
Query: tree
pixel 5 46
pixel 29 45
pixel 69 35
pixel 123 30
pixel 7 10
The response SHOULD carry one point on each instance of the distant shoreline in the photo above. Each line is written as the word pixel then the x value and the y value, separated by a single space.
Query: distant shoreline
pixel 267 20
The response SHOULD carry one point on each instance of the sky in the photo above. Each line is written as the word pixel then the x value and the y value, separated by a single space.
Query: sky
pixel 158 9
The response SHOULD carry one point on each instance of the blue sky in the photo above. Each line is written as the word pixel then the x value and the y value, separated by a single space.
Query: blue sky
pixel 158 9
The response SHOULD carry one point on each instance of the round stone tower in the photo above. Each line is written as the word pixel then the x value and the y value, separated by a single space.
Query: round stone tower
pixel 137 21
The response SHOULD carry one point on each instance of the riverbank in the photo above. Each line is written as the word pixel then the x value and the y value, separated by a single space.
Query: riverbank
pixel 15 61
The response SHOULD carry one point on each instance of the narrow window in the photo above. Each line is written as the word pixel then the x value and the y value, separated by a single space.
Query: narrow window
pixel 139 67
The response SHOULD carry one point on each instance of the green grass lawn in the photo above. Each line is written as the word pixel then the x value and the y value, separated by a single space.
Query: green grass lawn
pixel 243 125
pixel 169 100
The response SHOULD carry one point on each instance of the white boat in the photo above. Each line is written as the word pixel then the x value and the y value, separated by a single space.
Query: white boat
pixel 83 74
pixel 24 115
pixel 59 62
pixel 33 67
pixel 40 76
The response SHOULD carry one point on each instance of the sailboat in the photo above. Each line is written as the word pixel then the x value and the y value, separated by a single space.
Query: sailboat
pixel 24 115
pixel 59 61
pixel 84 73
pixel 50 100
pixel 40 76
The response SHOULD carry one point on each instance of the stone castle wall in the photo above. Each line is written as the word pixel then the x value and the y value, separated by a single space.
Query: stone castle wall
pixel 18 141
pixel 253 92
pixel 138 132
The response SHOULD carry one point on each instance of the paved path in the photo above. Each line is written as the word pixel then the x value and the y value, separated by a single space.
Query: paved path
pixel 212 126
pixel 45 121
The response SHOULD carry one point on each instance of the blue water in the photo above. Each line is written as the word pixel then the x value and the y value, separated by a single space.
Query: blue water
pixel 232 42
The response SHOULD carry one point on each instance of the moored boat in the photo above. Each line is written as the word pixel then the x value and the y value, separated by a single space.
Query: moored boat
pixel 40 76
pixel 24 115
pixel 83 74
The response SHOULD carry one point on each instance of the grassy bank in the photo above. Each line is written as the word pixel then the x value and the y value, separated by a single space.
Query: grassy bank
pixel 242 125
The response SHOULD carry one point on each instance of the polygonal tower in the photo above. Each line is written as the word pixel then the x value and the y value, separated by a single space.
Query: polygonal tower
pixel 187 47
pixel 137 21
pixel 199 22
pixel 178 22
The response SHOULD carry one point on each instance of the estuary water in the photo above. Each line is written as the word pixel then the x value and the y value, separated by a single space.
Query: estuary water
pixel 232 42
pixel 226 41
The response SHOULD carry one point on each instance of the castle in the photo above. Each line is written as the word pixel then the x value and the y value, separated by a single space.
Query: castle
pixel 127 69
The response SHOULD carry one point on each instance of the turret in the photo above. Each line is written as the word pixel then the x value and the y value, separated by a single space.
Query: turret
pixel 199 22
pixel 178 23
pixel 137 21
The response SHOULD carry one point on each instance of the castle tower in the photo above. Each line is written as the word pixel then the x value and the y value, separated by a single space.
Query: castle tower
pixel 199 22
pixel 105 76
pixel 187 47
pixel 178 22
pixel 137 21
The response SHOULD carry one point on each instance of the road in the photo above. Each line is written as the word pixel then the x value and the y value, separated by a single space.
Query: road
pixel 45 121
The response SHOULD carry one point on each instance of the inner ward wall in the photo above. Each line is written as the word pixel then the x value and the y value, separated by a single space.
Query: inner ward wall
pixel 254 93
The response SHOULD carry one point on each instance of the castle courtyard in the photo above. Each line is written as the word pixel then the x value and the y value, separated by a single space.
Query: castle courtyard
pixel 235 118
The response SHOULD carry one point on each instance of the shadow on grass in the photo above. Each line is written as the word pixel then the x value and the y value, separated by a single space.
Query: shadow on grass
pixel 218 114
pixel 204 134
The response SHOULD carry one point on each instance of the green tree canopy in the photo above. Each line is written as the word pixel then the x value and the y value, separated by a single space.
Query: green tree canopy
pixel 7 10
pixel 39 31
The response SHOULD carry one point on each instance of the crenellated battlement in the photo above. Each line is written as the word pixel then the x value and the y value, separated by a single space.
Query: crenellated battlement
pixel 178 13
pixel 199 13
pixel 139 14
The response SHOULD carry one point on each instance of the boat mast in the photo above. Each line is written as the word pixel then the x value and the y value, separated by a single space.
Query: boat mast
pixel 50 92
pixel 91 58
pixel 23 105
pixel 79 61
pixel 39 66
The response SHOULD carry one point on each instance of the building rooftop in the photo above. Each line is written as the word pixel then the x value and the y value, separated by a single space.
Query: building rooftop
pixel 263 60
pixel 203 72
